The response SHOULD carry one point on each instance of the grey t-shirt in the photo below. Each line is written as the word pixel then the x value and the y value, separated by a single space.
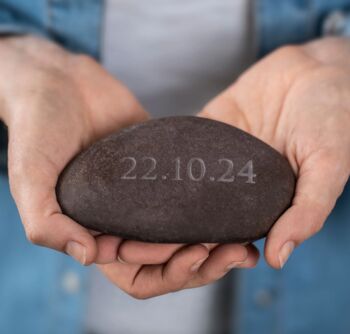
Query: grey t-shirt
pixel 174 56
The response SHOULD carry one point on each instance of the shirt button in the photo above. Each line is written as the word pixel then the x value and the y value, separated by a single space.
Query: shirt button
pixel 334 24
pixel 70 282
pixel 263 298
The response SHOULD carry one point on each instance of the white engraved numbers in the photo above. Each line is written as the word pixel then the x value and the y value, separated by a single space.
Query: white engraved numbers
pixel 190 168
pixel 148 175
pixel 227 176
pixel 177 170
pixel 195 170
pixel 247 171
pixel 127 175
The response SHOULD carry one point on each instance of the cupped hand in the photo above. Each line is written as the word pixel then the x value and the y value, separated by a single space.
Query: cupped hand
pixel 55 104
pixel 297 99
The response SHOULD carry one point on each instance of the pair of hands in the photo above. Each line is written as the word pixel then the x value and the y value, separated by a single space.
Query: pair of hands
pixel 55 104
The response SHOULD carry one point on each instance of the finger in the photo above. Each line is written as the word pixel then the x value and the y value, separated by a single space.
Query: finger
pixel 137 252
pixel 107 246
pixel 61 233
pixel 121 275
pixel 223 259
pixel 154 280
pixel 321 181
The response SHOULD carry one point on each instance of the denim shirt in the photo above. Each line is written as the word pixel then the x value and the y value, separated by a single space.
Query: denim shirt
pixel 42 291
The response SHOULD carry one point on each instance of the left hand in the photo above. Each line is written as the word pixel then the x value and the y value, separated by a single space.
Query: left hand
pixel 297 99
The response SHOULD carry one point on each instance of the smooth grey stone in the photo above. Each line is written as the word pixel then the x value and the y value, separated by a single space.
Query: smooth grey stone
pixel 178 180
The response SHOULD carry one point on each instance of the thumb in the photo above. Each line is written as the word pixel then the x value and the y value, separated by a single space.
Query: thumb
pixel 321 180
pixel 33 189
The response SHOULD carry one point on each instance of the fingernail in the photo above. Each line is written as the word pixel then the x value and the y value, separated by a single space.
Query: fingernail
pixel 119 259
pixel 196 266
pixel 76 251
pixel 285 252
pixel 233 265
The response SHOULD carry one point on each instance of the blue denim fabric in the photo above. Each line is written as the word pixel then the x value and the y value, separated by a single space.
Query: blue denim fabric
pixel 76 24
pixel 42 291
pixel 294 21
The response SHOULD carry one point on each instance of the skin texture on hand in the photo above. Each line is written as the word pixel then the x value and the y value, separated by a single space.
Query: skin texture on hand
pixel 55 104
pixel 297 99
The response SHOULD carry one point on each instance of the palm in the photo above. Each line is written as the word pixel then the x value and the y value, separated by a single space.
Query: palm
pixel 299 106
